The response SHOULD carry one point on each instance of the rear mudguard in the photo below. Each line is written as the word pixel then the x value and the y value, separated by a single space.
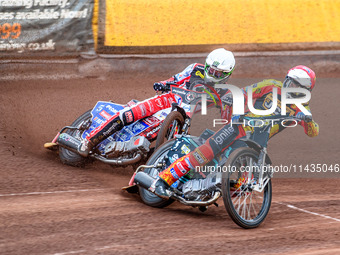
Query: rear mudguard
pixel 254 145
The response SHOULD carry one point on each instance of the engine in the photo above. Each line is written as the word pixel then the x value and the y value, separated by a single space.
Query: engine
pixel 202 189
pixel 138 144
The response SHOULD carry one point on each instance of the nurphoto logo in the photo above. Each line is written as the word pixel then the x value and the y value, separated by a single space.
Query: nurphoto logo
pixel 239 105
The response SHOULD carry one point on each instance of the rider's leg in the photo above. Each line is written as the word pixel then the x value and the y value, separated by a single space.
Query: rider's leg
pixel 125 117
pixel 203 154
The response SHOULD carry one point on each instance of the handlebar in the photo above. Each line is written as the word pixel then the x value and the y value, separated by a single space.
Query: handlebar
pixel 168 84
pixel 171 83
pixel 213 94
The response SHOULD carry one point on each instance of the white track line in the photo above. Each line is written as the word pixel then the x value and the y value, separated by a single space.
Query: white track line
pixel 179 239
pixel 50 192
pixel 70 252
pixel 306 211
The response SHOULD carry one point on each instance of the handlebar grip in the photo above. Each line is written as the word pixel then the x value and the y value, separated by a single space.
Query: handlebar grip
pixel 171 83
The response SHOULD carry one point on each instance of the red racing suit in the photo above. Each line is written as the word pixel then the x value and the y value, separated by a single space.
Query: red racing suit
pixel 190 76
pixel 225 137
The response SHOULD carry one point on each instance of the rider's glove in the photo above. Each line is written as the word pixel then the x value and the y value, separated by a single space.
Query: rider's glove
pixel 158 86
pixel 305 118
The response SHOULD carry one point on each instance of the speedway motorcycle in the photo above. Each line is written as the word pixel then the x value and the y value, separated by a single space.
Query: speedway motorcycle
pixel 241 174
pixel 132 144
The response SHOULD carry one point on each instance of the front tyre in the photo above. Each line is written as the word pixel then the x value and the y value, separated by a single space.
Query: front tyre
pixel 69 157
pixel 246 207
pixel 171 126
pixel 148 197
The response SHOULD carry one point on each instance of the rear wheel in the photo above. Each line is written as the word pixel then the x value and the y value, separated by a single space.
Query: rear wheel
pixel 69 157
pixel 247 208
pixel 148 197
pixel 171 126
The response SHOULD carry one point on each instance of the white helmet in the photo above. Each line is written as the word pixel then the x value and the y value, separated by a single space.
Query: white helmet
pixel 219 65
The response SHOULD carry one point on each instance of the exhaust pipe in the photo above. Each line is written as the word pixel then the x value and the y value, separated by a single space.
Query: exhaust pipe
pixel 68 142
pixel 144 180
pixel 198 203
pixel 72 144
pixel 119 162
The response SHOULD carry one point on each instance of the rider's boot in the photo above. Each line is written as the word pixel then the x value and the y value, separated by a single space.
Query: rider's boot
pixel 85 147
pixel 113 125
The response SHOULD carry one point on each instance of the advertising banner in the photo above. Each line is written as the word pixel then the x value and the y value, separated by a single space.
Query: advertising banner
pixel 45 27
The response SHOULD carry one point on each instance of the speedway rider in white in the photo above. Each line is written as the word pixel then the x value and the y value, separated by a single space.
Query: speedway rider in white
pixel 218 67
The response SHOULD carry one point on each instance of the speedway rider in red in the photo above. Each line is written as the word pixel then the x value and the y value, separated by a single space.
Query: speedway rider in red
pixel 297 77
pixel 219 65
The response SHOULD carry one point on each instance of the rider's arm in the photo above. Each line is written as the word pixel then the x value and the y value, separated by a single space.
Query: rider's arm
pixel 311 128
pixel 181 78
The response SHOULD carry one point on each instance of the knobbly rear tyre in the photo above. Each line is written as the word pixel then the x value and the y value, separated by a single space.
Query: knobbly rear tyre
pixel 148 197
pixel 69 157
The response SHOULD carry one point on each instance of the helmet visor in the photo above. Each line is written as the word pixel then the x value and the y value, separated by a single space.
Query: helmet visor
pixel 291 83
pixel 217 74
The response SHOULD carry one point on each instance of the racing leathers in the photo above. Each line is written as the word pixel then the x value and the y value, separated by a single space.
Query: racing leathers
pixel 228 134
pixel 193 74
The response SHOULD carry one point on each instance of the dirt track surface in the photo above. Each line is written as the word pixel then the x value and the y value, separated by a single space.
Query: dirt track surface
pixel 50 208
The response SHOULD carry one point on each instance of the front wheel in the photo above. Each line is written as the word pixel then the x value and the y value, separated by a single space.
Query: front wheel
pixel 69 157
pixel 171 126
pixel 247 208
pixel 148 197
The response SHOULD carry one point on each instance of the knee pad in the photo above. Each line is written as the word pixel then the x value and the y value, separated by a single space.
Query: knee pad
pixel 127 117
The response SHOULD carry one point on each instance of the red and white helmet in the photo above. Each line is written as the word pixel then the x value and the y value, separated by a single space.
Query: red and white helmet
pixel 300 77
